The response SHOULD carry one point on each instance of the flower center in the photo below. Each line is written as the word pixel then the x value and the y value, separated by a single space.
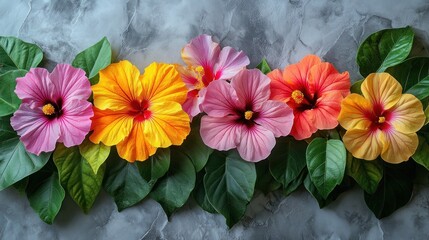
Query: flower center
pixel 48 109
pixel 248 115
pixel 140 110
pixel 297 96
pixel 381 119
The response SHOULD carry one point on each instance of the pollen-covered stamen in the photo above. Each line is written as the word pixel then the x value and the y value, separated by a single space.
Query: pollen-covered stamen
pixel 48 109
pixel 248 115
pixel 381 119
pixel 297 96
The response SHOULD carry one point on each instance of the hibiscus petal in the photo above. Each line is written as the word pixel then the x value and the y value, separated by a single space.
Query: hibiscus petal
pixel 407 115
pixel 70 83
pixel 280 90
pixel 401 146
pixel 75 122
pixel 230 62
pixel 256 143
pixel 118 86
pixel 136 146
pixel 382 90
pixel 220 99
pixel 35 86
pixel 220 133
pixel 355 112
pixel 110 127
pixel 365 144
pixel 168 124
pixel 192 104
pixel 303 124
pixel 161 82
pixel 201 51
pixel 252 88
pixel 327 109
pixel 324 78
pixel 276 117
pixel 188 76
pixel 38 134
pixel 296 74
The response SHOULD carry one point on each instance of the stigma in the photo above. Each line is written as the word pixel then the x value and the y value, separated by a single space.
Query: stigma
pixel 48 109
pixel 248 115
pixel 297 96
pixel 381 119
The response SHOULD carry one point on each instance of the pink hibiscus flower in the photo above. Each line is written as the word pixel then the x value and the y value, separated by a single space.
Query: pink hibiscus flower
pixel 240 115
pixel 207 62
pixel 54 108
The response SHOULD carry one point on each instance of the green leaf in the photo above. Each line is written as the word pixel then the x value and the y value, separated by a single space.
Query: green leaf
pixel 394 190
pixel 311 188
pixel 17 54
pixel 229 183
pixel 367 174
pixel 294 185
pixel 15 162
pixel 287 160
pixel 200 195
pixel 173 190
pixel 356 87
pixel 46 199
pixel 421 156
pixel 95 154
pixel 156 166
pixel 9 102
pixel 326 162
pixel 21 185
pixel 384 49
pixel 427 115
pixel 77 176
pixel 265 182
pixel 410 72
pixel 263 66
pixel 94 59
pixel 421 89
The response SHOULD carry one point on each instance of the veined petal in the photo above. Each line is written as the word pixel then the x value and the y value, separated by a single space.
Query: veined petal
pixel 401 146
pixel 252 87
pixel 256 143
pixel 324 78
pixel 70 83
pixel 221 133
pixel 188 76
pixel 407 115
pixel 161 82
pixel 168 124
pixel 118 86
pixel 136 146
pixel 355 111
pixel 230 62
pixel 192 104
pixel 38 134
pixel 381 89
pixel 110 127
pixel 327 109
pixel 201 51
pixel 220 99
pixel 35 86
pixel 303 124
pixel 280 90
pixel 276 117
pixel 365 144
pixel 297 74
pixel 75 122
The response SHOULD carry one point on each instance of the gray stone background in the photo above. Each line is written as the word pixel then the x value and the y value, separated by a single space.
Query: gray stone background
pixel 153 30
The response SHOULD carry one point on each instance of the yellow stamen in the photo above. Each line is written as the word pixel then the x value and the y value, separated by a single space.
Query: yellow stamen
pixel 199 85
pixel 381 119
pixel 199 70
pixel 248 115
pixel 48 109
pixel 297 96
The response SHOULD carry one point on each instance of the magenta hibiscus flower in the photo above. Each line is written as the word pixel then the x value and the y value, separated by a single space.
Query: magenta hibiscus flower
pixel 54 108
pixel 240 115
pixel 206 62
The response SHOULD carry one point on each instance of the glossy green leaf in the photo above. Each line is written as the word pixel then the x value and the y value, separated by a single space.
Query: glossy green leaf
pixel 95 154
pixel 326 162
pixel 94 59
pixel 263 66
pixel 421 156
pixel 367 174
pixel 9 102
pixel 200 195
pixel 46 199
pixel 21 185
pixel 15 162
pixel 77 176
pixel 427 115
pixel 311 188
pixel 157 165
pixel 421 89
pixel 410 72
pixel 287 160
pixel 17 54
pixel 296 183
pixel 384 49
pixel 356 87
pixel 265 182
pixel 229 183
pixel 394 190
pixel 173 190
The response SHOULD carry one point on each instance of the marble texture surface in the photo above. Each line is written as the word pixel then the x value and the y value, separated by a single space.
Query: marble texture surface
pixel 152 30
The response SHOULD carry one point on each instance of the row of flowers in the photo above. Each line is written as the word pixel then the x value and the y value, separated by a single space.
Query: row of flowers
pixel 215 103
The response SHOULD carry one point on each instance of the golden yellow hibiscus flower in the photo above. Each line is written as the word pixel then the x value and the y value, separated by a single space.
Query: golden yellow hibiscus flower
pixel 139 113
pixel 382 121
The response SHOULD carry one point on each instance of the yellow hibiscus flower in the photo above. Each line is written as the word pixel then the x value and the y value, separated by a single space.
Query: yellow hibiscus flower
pixel 139 113
pixel 382 121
